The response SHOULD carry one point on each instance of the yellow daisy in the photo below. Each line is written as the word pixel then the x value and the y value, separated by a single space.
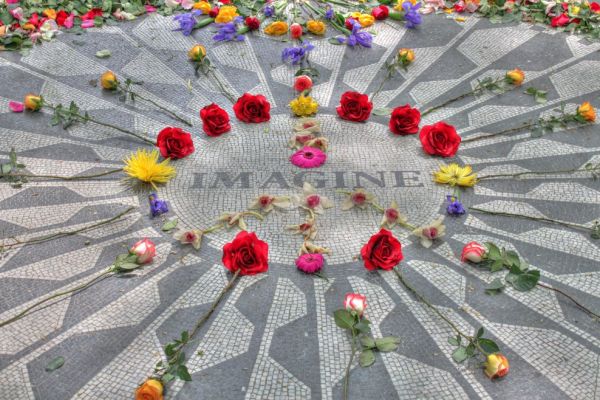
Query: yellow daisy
pixel 455 175
pixel 143 165
pixel 304 106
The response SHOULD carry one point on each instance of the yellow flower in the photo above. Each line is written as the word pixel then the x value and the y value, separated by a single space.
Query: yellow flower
pixel 515 76
pixel 152 389
pixel 496 366
pixel 366 20
pixel 406 56
pixel 33 102
pixel 575 10
pixel 316 27
pixel 143 165
pixel 303 106
pixel 587 111
pixel 203 6
pixel 49 13
pixel 197 53
pixel 398 5
pixel 226 14
pixel 455 175
pixel 108 80
pixel 277 28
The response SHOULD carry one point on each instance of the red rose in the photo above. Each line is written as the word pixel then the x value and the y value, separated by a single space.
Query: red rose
pixel 213 12
pixel 215 120
pixel 355 107
pixel 93 13
pixel 595 7
pixel 252 23
pixel 61 17
pixel 380 12
pixel 349 23
pixel 405 120
pixel 382 251
pixel 439 139
pixel 561 20
pixel 246 253
pixel 174 143
pixel 252 108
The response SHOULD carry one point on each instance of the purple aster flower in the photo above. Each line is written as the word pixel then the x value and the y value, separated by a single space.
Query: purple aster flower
pixel 157 206
pixel 411 16
pixel 295 55
pixel 187 22
pixel 455 207
pixel 229 31
pixel 329 13
pixel 269 11
pixel 363 39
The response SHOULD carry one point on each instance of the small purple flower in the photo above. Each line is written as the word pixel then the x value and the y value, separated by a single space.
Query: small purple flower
pixel 329 13
pixel 295 55
pixel 455 207
pixel 411 16
pixel 229 31
pixel 269 11
pixel 357 37
pixel 187 22
pixel 157 206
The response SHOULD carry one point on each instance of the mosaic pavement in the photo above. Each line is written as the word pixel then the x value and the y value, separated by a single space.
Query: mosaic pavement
pixel 274 336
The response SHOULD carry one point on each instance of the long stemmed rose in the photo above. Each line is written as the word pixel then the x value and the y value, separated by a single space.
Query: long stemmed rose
pixel 197 55
pixel 245 255
pixel 141 253
pixel 384 252
pixel 402 60
pixel 109 81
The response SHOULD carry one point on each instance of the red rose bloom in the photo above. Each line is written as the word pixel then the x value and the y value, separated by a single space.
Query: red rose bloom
pixel 382 251
pixel 405 120
pixel 355 107
pixel 252 23
pixel 560 20
pixel 439 139
pixel 349 23
pixel 61 17
pixel 215 120
pixel 174 143
pixel 252 108
pixel 246 253
pixel 93 13
pixel 380 12
pixel 213 12
pixel 595 7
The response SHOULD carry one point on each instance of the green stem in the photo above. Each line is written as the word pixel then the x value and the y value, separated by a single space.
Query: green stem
pixel 503 132
pixel 83 286
pixel 530 217
pixel 222 87
pixel 66 178
pixel 582 307
pixel 154 103
pixel 555 172
pixel 349 366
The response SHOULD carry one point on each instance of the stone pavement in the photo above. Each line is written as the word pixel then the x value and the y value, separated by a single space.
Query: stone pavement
pixel 274 336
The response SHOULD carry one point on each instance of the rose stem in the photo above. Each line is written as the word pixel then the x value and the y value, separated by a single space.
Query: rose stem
pixel 544 219
pixel 516 175
pixel 65 178
pixel 581 306
pixel 347 376
pixel 171 113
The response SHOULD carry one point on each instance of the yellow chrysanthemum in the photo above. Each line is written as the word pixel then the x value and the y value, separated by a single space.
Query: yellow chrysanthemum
pixel 304 106
pixel 455 175
pixel 203 6
pixel 143 165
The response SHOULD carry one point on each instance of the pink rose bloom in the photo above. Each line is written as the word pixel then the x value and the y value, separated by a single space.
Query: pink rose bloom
pixel 473 252
pixel 149 8
pixel 296 30
pixel 310 263
pixel 308 157
pixel 145 250
pixel 16 107
pixel 17 13
pixel 88 23
pixel 303 82
pixel 69 21
pixel 355 302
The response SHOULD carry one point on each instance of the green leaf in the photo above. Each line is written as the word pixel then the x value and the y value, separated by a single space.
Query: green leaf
pixel 382 111
pixel 454 341
pixel 343 319
pixel 525 281
pixel 333 40
pixel 6 168
pixel 497 265
pixel 103 53
pixel 183 373
pixel 367 358
pixel 479 332
pixel 388 343
pixel 169 225
pixel 493 251
pixel 185 336
pixel 55 364
pixel 127 266
pixel 363 326
pixel 495 286
pixel 459 355
pixel 513 258
pixel 488 345
pixel 168 377
pixel 368 342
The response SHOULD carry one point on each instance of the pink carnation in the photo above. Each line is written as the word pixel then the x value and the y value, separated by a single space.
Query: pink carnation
pixel 308 157
pixel 310 263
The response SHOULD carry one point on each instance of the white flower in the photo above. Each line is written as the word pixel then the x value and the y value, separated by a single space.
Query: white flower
pixel 392 216
pixel 232 219
pixel 308 125
pixel 310 200
pixel 431 232
pixel 266 203
pixel 193 237
pixel 358 198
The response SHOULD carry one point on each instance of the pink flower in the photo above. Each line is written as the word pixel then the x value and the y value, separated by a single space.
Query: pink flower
pixel 303 82
pixel 296 30
pixel 17 13
pixel 88 23
pixel 16 107
pixel 12 1
pixel 473 252
pixel 149 8
pixel 145 250
pixel 355 302
pixel 308 157
pixel 69 21
pixel 310 263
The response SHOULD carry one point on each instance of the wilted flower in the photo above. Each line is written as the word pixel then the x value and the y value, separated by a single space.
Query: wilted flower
pixel 157 206
pixel 392 216
pixel 355 302
pixel 310 263
pixel 473 252
pixel 358 198
pixel 311 248
pixel 455 175
pixel 455 207
pixel 431 232
pixel 144 250
pixel 193 237
pixel 308 125
pixel 310 200
pixel 496 366
pixel 232 219
pixel 299 140
pixel 320 143
pixel 266 203
pixel 308 229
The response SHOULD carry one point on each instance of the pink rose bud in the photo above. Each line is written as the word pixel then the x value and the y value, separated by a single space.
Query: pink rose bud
pixel 296 30
pixel 355 302
pixel 145 251
pixel 496 366
pixel 473 252
pixel 302 83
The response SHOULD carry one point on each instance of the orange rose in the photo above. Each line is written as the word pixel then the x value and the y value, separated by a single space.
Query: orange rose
pixel 406 56
pixel 587 111
pixel 49 13
pixel 316 27
pixel 109 81
pixel 515 76
pixel 152 389
pixel 197 53
pixel 277 28
pixel 33 102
